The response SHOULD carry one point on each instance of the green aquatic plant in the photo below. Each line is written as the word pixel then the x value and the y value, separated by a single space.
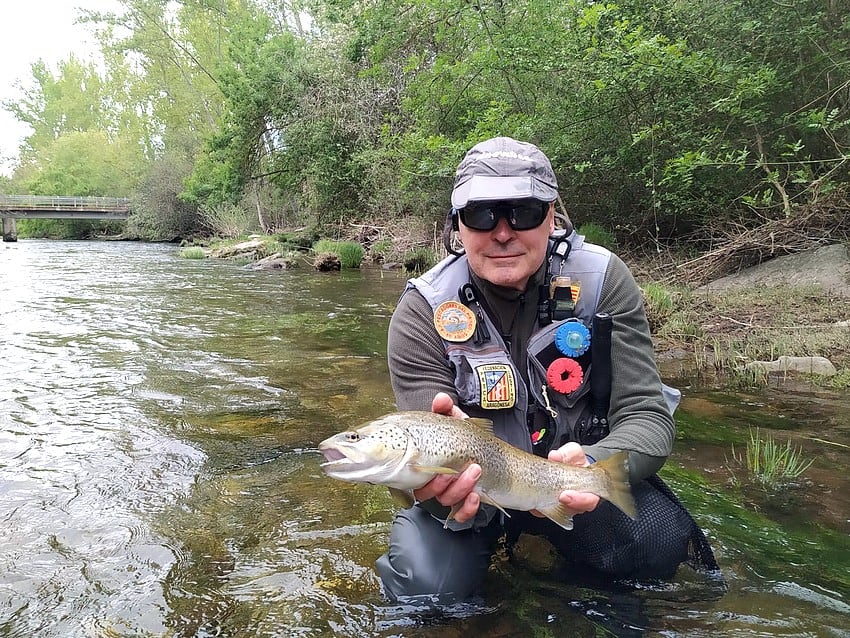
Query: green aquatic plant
pixel 193 252
pixel 772 463
pixel 350 253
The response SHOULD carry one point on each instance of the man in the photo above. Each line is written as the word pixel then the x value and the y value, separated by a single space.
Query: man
pixel 502 331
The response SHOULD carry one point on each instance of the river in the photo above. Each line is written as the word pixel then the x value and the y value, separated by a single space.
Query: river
pixel 158 472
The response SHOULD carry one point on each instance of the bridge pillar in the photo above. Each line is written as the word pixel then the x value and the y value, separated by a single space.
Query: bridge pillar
pixel 10 229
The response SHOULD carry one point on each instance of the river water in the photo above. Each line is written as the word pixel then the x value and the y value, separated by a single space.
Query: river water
pixel 158 472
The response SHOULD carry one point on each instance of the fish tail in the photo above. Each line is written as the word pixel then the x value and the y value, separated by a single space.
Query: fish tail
pixel 618 491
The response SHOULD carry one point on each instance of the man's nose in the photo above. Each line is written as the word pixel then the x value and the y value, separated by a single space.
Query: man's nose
pixel 503 231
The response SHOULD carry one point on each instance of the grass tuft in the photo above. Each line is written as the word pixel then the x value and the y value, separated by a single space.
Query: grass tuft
pixel 770 463
pixel 192 252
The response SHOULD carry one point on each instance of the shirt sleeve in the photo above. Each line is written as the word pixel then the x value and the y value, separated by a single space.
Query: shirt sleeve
pixel 639 419
pixel 416 355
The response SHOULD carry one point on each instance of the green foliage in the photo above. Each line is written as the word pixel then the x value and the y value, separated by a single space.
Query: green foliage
pixel 350 254
pixel 598 234
pixel 661 120
pixel 770 463
pixel 158 212
pixel 66 228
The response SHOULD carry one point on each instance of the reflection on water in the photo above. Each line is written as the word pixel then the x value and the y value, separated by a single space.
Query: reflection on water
pixel 158 473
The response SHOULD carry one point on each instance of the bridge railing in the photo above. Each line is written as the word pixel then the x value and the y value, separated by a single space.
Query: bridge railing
pixel 61 202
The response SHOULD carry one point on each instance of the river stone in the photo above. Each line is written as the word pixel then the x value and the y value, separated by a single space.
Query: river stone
pixel 826 266
pixel 808 365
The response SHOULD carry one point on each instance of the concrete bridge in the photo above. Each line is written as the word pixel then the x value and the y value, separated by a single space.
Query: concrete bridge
pixel 14 207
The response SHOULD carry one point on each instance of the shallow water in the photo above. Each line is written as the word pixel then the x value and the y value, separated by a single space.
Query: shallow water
pixel 158 472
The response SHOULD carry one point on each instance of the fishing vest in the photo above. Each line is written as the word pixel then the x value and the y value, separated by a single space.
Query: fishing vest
pixel 486 377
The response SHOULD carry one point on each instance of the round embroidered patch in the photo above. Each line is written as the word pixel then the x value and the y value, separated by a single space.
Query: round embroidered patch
pixel 454 321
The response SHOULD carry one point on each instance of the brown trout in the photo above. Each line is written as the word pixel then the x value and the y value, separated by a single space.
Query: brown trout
pixel 405 450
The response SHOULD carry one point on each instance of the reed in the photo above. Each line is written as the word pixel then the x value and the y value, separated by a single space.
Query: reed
pixel 770 462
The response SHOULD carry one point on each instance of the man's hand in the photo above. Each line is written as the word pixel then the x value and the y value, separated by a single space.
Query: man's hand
pixel 452 489
pixel 575 502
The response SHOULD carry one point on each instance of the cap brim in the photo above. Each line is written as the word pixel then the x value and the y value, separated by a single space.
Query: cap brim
pixel 491 187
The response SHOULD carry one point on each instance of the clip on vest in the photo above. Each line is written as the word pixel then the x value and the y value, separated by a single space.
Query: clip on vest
pixel 467 296
pixel 556 297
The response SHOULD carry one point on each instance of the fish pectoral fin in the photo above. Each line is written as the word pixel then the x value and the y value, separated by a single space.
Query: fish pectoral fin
pixel 402 498
pixel 486 498
pixel 427 469
pixel 558 514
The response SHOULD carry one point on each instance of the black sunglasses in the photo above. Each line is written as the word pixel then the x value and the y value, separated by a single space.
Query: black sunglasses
pixel 521 214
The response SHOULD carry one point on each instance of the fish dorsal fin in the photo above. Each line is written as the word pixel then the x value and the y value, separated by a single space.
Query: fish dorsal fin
pixel 558 514
pixel 484 424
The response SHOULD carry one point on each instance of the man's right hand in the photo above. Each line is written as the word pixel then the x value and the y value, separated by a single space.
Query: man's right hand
pixel 452 489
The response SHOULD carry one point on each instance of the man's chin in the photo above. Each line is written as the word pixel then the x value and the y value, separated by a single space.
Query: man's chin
pixel 506 275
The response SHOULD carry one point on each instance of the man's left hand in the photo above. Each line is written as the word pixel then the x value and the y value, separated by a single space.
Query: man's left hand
pixel 575 502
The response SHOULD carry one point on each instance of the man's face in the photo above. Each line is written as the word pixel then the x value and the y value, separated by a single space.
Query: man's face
pixel 504 256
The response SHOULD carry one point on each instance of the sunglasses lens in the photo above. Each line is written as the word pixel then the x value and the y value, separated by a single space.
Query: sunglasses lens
pixel 527 214
pixel 522 214
pixel 479 216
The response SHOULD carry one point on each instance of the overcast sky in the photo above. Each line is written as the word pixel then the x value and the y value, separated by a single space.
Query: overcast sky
pixel 33 30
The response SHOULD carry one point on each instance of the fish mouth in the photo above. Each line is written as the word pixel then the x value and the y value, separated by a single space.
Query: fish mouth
pixel 333 457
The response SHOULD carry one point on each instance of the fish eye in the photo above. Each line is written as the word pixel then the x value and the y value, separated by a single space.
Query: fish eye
pixel 352 437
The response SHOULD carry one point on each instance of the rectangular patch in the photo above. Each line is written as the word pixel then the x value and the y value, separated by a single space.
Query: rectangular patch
pixel 498 387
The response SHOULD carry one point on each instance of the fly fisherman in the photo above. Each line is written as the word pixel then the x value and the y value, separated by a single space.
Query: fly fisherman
pixel 546 336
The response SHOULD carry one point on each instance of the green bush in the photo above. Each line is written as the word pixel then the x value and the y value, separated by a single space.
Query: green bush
pixel 350 253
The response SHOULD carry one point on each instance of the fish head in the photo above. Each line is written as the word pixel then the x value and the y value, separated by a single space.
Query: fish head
pixel 377 452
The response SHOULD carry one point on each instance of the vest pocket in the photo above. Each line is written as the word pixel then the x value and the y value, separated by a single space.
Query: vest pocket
pixel 489 380
pixel 542 352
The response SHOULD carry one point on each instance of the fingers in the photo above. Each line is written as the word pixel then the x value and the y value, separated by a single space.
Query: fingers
pixel 443 404
pixel 451 490
pixel 570 453
pixel 578 502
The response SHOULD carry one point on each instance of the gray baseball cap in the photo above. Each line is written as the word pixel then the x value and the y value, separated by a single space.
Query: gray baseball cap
pixel 504 168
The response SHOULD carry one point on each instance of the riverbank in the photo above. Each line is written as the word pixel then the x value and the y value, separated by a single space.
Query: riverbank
pixel 720 331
